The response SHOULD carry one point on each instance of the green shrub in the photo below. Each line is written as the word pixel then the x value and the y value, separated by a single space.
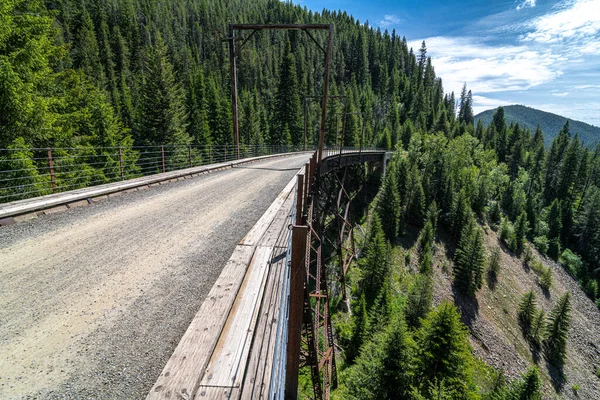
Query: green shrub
pixel 541 243
pixel 572 263
pixel 537 267
pixel 507 234
pixel 527 254
pixel 546 279
pixel 494 263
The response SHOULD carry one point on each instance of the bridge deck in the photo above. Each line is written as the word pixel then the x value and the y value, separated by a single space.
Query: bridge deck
pixel 228 349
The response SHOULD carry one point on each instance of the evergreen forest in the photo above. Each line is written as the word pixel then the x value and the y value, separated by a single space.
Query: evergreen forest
pixel 91 75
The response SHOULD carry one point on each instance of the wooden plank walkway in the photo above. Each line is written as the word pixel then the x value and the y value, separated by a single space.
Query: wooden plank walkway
pixel 227 351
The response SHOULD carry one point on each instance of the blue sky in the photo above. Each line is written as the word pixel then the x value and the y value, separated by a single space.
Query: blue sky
pixel 540 53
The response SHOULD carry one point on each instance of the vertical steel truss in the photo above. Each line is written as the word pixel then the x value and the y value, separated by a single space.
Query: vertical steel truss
pixel 324 216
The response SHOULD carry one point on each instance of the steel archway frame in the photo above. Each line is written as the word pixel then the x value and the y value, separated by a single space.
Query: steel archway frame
pixel 262 27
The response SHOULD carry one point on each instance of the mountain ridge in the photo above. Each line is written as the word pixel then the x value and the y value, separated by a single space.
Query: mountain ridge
pixel 550 123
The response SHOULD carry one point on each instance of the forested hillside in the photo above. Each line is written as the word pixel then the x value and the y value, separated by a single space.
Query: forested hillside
pixel 97 74
pixel 100 73
pixel 551 124
pixel 428 235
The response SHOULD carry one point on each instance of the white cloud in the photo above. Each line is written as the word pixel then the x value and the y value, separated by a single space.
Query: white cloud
pixel 389 20
pixel 563 94
pixel 488 69
pixel 586 87
pixel 482 103
pixel 575 21
pixel 526 4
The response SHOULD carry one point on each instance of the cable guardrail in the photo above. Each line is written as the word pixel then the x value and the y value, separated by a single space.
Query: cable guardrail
pixel 33 172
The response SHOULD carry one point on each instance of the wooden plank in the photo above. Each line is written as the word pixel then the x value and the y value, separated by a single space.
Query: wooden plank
pixel 218 393
pixel 279 223
pixel 259 229
pixel 255 381
pixel 228 362
pixel 181 376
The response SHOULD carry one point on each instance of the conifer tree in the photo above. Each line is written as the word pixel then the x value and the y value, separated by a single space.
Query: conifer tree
pixel 557 330
pixel 375 265
pixel 521 230
pixel 528 387
pixel 288 104
pixel 494 264
pixel 162 114
pixel 388 206
pixel 443 352
pixel 426 263
pixel 461 214
pixel 426 237
pixel 537 327
pixel 527 310
pixel 419 300
pixel 469 260
pixel 361 329
pixel 554 220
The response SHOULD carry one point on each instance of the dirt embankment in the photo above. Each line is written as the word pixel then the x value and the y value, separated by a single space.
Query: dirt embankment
pixel 94 300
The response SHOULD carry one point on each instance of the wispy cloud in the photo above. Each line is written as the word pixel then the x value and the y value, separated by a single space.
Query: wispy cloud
pixel 389 20
pixel 586 87
pixel 526 4
pixel 573 21
pixel 563 94
pixel 482 103
pixel 486 68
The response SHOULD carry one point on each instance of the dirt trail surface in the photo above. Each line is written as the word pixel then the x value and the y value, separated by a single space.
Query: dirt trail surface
pixel 94 300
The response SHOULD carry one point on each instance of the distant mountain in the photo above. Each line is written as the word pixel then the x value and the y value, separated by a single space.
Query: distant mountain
pixel 550 123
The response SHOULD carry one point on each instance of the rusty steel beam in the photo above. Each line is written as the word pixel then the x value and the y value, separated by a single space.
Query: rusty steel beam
pixel 325 93
pixel 296 312
pixel 281 27
pixel 234 105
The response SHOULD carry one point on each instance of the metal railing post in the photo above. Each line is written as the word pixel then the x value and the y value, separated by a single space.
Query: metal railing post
pixel 51 166
pixel 190 154
pixel 121 163
pixel 162 151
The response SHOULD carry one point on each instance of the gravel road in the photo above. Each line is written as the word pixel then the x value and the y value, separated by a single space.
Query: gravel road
pixel 94 300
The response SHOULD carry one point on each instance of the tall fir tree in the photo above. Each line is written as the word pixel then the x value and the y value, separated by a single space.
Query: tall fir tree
pixel 162 115
pixel 557 330
pixel 469 260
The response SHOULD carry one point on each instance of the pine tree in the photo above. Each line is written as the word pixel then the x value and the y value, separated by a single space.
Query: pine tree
pixel 554 220
pixel 426 237
pixel 426 264
pixel 381 309
pixel 375 266
pixel 361 329
pixel 557 330
pixel 469 260
pixel 388 206
pixel 527 310
pixel 521 230
pixel 537 327
pixel 461 214
pixel 415 198
pixel 162 114
pixel 288 104
pixel 419 300
pixel 443 352
pixel 528 387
